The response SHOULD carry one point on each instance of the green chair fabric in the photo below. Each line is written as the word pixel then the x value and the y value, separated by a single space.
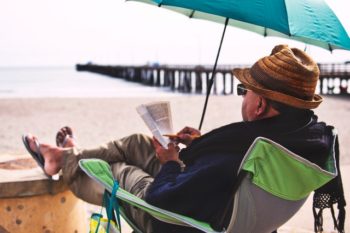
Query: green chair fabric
pixel 276 186
pixel 283 173
pixel 271 167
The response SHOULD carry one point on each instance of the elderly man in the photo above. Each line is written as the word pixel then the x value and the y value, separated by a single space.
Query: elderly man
pixel 278 92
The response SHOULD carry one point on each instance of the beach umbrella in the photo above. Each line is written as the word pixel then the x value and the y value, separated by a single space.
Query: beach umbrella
pixel 308 21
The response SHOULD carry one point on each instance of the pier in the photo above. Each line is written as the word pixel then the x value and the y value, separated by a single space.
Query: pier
pixel 334 78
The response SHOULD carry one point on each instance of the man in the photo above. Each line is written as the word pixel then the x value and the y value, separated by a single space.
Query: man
pixel 278 93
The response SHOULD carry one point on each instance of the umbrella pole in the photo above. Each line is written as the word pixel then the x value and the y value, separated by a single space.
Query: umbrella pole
pixel 211 80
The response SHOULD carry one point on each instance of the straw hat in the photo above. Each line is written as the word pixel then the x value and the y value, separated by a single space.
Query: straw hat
pixel 288 76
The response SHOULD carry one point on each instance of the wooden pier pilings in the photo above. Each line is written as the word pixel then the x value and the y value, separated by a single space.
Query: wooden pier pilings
pixel 334 78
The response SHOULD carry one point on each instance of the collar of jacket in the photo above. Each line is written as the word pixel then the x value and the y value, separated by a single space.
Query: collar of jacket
pixel 237 137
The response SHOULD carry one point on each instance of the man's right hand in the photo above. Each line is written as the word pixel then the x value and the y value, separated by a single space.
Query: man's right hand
pixel 187 135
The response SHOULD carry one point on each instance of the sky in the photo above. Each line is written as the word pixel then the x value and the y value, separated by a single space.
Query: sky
pixel 67 32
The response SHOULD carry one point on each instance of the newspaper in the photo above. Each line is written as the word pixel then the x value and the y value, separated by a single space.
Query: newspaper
pixel 157 116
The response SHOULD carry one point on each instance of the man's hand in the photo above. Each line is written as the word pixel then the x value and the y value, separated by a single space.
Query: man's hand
pixel 187 135
pixel 165 155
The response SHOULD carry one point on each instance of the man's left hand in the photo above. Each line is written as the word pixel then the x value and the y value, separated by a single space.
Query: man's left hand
pixel 164 155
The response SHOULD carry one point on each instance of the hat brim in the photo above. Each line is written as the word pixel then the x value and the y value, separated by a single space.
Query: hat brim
pixel 243 75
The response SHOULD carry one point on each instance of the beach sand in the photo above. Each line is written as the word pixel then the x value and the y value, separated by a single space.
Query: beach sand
pixel 98 120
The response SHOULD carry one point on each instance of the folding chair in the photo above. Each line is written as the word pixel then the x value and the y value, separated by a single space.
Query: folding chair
pixel 273 185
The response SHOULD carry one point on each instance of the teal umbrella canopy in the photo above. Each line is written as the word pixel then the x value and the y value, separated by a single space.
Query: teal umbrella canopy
pixel 308 21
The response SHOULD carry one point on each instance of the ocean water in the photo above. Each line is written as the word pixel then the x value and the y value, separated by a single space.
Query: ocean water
pixel 67 82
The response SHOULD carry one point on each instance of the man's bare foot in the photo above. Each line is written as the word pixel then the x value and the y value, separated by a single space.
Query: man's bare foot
pixel 65 138
pixel 52 155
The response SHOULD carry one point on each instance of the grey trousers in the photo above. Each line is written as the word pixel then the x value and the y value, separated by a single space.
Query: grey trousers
pixel 134 166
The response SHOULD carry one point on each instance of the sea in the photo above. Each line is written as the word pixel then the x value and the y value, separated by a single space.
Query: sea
pixel 66 82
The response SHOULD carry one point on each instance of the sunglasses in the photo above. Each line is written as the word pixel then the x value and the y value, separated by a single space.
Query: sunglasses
pixel 241 90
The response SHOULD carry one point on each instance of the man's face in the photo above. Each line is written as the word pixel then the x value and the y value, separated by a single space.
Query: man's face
pixel 250 106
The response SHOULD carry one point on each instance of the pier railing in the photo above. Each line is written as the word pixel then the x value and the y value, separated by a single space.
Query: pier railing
pixel 334 78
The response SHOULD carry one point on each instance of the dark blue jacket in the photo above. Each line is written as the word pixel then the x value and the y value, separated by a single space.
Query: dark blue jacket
pixel 203 189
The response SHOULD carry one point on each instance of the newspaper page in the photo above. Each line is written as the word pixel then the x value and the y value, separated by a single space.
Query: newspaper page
pixel 157 116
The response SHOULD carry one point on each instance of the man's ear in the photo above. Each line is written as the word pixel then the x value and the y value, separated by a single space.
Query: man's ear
pixel 261 107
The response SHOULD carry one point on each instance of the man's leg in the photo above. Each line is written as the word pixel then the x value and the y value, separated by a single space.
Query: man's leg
pixel 138 150
pixel 135 181
pixel 130 178
pixel 135 149
pixel 131 159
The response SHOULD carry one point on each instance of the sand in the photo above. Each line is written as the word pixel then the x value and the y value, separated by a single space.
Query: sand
pixel 98 120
